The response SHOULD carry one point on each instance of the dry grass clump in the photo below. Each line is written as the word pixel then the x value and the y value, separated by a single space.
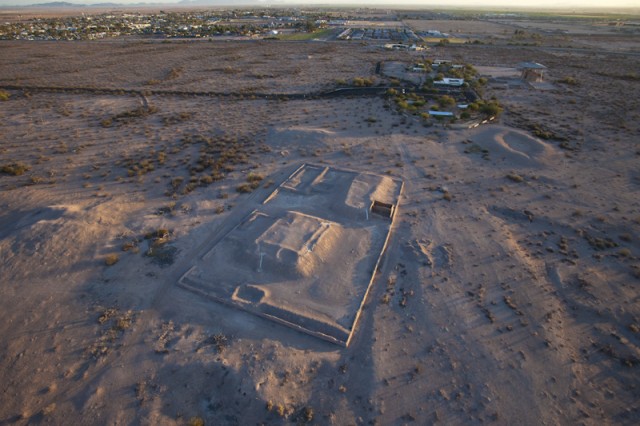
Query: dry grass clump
pixel 514 177
pixel 600 243
pixel 115 324
pixel 196 421
pixel 127 116
pixel 162 253
pixel 176 118
pixel 253 181
pixel 49 409
pixel 571 81
pixel 244 188
pixel 306 415
pixel 111 259
pixel 174 73
pixel 363 81
pixel 4 96
pixel 218 340
pixel 14 169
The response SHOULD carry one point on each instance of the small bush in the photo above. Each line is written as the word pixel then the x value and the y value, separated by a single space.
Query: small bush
pixel 307 414
pixel 446 100
pixel 49 409
pixel 571 81
pixel 624 252
pixel 244 188
pixel 4 96
pixel 254 177
pixel 363 82
pixel 14 169
pixel 515 177
pixel 196 421
pixel 111 259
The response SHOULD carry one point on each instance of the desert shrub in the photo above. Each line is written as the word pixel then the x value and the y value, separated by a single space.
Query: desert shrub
pixel 14 169
pixel 230 70
pixel 174 73
pixel 465 115
pixel 625 237
pixel 624 252
pixel 307 414
pixel 491 108
pixel 196 421
pixel 176 182
pixel 220 342
pixel 4 96
pixel 446 100
pixel 189 187
pixel 49 409
pixel 363 82
pixel 571 81
pixel 543 134
pixel 514 177
pixel 254 177
pixel 111 259
pixel 175 119
pixel 158 234
pixel 600 243
pixel 244 188
pixel 206 180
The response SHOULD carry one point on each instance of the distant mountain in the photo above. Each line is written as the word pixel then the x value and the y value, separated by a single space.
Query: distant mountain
pixel 62 4
pixel 218 2
pixel 57 4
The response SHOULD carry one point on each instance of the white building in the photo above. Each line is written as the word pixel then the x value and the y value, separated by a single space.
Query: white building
pixel 453 82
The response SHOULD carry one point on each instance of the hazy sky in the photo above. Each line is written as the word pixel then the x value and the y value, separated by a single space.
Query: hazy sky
pixel 507 4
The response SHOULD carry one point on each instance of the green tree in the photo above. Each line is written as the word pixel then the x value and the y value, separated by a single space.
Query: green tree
pixel 310 26
pixel 446 100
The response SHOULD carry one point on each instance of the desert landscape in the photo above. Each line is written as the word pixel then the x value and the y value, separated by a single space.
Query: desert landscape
pixel 507 288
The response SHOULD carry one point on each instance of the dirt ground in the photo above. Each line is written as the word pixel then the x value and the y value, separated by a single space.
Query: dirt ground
pixel 509 292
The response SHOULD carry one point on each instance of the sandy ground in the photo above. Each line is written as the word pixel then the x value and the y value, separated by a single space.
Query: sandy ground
pixel 508 294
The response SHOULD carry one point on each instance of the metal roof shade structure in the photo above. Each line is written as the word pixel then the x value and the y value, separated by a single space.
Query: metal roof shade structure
pixel 531 66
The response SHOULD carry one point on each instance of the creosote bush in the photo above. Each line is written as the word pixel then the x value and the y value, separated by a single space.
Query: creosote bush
pixel 514 177
pixel 14 169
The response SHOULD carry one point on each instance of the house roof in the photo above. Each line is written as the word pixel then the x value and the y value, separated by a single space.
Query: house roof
pixel 441 113
pixel 531 65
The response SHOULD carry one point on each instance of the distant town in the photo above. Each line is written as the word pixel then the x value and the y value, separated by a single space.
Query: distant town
pixel 268 23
